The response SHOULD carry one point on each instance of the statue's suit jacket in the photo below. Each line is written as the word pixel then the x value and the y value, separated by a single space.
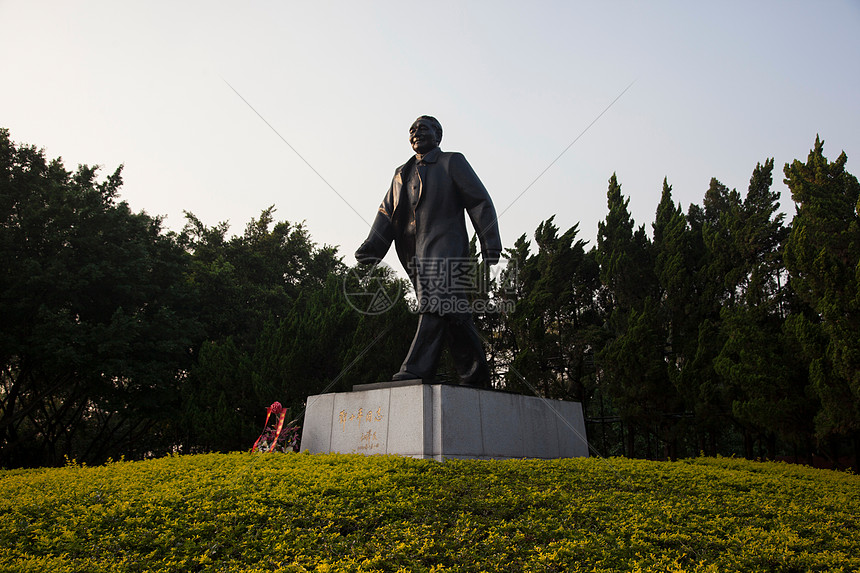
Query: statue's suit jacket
pixel 449 189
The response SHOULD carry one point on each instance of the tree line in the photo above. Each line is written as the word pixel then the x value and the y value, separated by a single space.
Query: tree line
pixel 725 330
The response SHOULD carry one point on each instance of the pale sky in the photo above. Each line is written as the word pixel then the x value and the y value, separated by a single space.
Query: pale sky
pixel 716 88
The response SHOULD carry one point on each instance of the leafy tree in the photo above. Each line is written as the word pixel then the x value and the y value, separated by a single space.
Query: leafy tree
pixel 95 334
pixel 823 259
pixel 552 329
pixel 760 242
pixel 761 364
pixel 510 291
pixel 245 280
pixel 279 327
pixel 674 271
pixel 718 222
pixel 759 361
pixel 631 364
pixel 715 269
pixel 674 267
pixel 624 256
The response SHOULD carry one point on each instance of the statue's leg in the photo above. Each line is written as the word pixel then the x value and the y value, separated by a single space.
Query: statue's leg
pixel 467 351
pixel 423 356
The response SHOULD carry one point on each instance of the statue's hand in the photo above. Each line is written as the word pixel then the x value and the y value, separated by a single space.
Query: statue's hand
pixel 365 256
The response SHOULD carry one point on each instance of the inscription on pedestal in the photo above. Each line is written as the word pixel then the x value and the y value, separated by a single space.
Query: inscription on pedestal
pixel 366 423
pixel 359 422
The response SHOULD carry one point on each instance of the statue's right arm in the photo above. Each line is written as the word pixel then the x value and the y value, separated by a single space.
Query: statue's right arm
pixel 378 241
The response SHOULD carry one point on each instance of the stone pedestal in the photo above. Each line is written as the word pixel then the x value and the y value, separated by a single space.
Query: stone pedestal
pixel 437 421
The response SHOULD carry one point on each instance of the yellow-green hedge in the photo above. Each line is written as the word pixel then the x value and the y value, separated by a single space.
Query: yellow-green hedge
pixel 298 512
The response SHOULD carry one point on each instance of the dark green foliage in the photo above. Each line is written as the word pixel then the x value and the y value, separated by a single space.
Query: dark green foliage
pixel 95 336
pixel 120 339
pixel 762 366
pixel 633 369
pixel 279 328
pixel 624 256
pixel 553 331
pixel 759 361
pixel 708 344
pixel 823 258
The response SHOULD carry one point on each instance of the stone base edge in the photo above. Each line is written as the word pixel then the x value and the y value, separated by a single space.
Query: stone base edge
pixel 436 421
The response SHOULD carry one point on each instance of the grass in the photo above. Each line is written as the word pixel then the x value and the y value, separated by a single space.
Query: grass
pixel 298 512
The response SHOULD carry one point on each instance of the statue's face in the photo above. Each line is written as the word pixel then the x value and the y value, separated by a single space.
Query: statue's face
pixel 422 136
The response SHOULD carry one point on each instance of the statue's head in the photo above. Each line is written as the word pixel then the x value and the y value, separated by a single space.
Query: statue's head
pixel 425 134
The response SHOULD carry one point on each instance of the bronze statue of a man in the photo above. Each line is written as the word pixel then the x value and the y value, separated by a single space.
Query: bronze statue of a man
pixel 423 213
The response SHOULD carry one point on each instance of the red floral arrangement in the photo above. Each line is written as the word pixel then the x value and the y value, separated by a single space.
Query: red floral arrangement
pixel 277 438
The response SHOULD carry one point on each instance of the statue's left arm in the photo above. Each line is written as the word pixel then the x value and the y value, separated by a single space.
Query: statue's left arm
pixel 479 206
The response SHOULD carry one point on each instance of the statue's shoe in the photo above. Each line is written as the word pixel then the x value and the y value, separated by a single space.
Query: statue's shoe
pixel 404 375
